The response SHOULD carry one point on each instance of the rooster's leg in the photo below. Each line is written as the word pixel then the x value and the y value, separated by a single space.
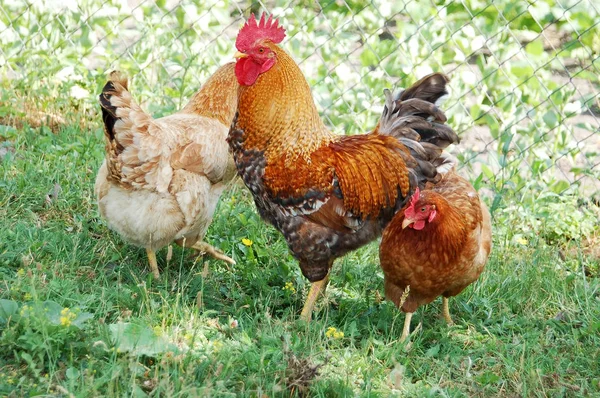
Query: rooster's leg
pixel 313 294
pixel 153 263
pixel 446 311
pixel 406 329
pixel 212 251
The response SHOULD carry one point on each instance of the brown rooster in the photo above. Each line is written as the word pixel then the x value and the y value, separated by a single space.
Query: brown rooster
pixel 327 194
pixel 162 178
pixel 436 247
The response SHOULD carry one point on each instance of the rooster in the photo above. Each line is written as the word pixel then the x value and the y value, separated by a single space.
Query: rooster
pixel 327 194
pixel 436 247
pixel 162 178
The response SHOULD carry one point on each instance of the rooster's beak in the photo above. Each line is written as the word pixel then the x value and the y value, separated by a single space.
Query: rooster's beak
pixel 406 222
pixel 240 54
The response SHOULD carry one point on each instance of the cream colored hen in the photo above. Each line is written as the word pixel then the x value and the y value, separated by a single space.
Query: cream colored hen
pixel 162 178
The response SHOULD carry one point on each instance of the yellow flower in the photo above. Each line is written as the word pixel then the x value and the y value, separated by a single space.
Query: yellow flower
pixel 334 333
pixel 27 297
pixel 289 286
pixel 20 272
pixel 66 317
pixel 157 330
pixel 216 346
pixel 247 242
pixel 522 241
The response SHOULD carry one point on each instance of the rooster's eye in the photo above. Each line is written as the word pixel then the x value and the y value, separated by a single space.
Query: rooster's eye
pixel 261 50
pixel 422 209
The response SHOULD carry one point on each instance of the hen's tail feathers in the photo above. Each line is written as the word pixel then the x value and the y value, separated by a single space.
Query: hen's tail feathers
pixel 122 117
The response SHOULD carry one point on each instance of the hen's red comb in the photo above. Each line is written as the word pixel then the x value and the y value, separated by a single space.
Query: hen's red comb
pixel 265 29
pixel 415 197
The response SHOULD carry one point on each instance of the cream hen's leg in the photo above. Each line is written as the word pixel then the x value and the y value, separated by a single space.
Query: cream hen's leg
pixel 212 251
pixel 311 299
pixel 153 263
pixel 406 328
pixel 446 311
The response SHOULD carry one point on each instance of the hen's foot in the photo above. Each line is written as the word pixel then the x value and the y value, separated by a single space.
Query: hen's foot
pixel 406 328
pixel 311 299
pixel 213 252
pixel 153 263
pixel 446 311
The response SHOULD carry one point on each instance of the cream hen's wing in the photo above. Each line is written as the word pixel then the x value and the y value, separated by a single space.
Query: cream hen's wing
pixel 202 148
pixel 202 167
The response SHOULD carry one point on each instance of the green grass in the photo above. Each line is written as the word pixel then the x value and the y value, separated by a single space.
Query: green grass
pixel 529 327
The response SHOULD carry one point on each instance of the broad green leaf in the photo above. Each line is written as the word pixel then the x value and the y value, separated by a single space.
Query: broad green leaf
pixel 535 48
pixel 72 373
pixel 550 118
pixel 139 340
pixel 560 186
pixel 488 378
pixel 52 311
pixel 8 309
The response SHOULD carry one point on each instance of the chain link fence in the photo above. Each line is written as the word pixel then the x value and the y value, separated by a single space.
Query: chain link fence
pixel 524 74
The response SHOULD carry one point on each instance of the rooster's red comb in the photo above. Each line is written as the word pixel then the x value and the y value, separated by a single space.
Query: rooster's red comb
pixel 265 29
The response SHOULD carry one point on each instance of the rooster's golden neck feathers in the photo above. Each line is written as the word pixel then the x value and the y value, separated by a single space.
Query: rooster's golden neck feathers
pixel 278 113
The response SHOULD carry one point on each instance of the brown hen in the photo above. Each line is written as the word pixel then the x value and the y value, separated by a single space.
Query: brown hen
pixel 437 246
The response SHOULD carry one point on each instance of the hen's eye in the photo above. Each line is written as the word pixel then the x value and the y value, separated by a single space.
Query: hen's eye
pixel 422 209
pixel 261 50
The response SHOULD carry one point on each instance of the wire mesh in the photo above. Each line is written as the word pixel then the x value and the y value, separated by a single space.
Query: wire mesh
pixel 524 74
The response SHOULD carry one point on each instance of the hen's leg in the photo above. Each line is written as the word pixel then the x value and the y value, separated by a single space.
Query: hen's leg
pixel 153 263
pixel 406 329
pixel 212 251
pixel 446 311
pixel 313 294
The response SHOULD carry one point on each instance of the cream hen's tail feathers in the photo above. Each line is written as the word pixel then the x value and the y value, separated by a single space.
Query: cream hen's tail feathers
pixel 119 107
pixel 124 120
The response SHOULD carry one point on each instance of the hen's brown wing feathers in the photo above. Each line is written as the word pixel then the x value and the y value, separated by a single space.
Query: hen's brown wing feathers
pixel 462 196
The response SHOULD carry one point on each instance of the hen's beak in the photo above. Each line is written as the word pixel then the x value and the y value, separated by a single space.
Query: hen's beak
pixel 240 54
pixel 406 222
